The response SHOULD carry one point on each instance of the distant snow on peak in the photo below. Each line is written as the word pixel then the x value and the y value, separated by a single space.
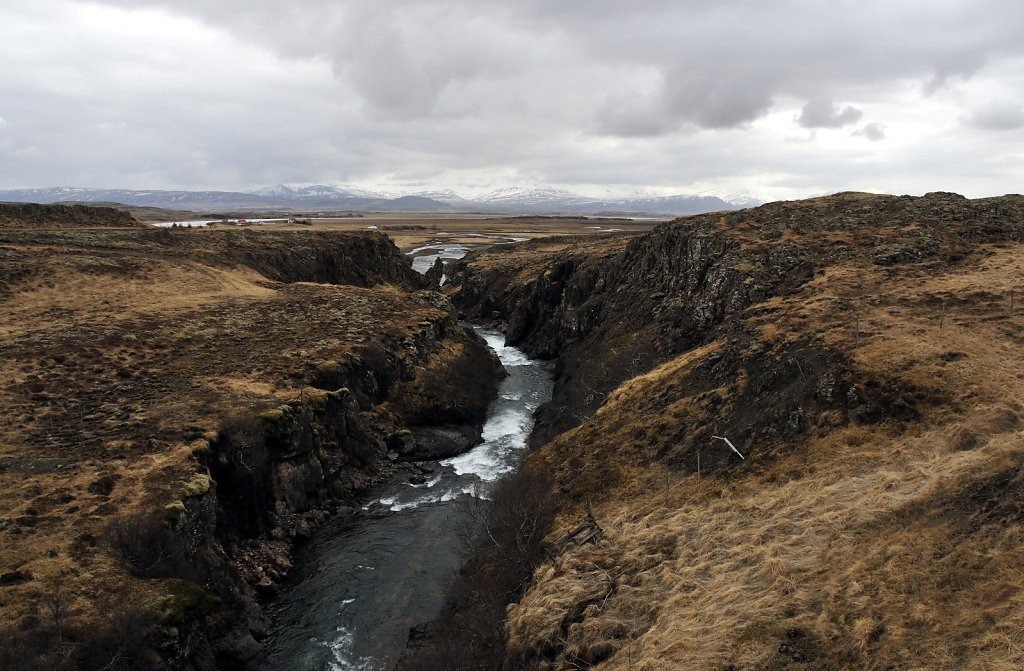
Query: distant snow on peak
pixel 315 191
pixel 531 196
pixel 514 199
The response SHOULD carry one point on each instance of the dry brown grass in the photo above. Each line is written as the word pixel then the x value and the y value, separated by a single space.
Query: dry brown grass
pixel 117 367
pixel 412 230
pixel 887 545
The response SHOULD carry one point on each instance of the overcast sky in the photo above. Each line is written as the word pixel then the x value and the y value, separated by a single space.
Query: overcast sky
pixel 773 98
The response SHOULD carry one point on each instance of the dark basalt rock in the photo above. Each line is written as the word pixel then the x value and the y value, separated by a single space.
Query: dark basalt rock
pixel 433 443
pixel 609 313
pixel 34 215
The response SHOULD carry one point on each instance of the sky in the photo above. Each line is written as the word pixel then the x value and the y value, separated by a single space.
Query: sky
pixel 776 99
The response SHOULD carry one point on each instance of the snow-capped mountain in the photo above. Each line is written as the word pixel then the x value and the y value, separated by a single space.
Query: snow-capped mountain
pixel 318 192
pixel 179 200
pixel 528 197
pixel 508 200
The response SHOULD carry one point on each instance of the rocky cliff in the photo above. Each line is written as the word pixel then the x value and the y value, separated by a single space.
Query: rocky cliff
pixel 32 215
pixel 857 352
pixel 181 408
pixel 610 309
pixel 275 476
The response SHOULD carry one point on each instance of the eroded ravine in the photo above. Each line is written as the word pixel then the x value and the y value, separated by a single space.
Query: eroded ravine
pixel 366 579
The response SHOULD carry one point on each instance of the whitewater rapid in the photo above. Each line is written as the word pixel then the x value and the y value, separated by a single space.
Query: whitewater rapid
pixel 366 580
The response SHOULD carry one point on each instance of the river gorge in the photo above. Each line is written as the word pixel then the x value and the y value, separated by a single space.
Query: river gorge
pixel 366 579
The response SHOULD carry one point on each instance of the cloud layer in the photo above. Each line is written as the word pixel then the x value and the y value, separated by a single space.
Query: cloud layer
pixel 780 99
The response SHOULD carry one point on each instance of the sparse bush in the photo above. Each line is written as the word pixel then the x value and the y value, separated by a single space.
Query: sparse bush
pixel 103 485
pixel 243 430
pixel 118 644
pixel 520 515
pixel 31 649
pixel 149 548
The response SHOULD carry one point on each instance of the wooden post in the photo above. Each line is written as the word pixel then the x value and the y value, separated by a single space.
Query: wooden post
pixel 942 317
pixel 698 465
pixel 1011 303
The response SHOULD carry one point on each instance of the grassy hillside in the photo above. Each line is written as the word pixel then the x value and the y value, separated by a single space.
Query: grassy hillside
pixel 878 399
pixel 178 408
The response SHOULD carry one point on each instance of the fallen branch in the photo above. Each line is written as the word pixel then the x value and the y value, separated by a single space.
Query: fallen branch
pixel 729 443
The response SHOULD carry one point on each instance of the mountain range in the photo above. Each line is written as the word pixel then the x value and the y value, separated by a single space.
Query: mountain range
pixel 510 200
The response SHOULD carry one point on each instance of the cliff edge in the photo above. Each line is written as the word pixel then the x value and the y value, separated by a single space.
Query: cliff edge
pixel 799 427
pixel 182 407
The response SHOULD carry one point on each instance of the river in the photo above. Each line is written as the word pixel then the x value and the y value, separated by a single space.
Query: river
pixel 424 257
pixel 366 579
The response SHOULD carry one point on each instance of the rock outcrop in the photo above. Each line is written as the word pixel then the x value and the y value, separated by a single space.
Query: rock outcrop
pixel 276 476
pixel 186 406
pixel 33 215
pixel 610 309
pixel 870 511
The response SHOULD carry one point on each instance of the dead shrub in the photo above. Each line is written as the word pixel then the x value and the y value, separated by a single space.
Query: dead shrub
pixel 117 644
pixel 149 548
pixel 507 545
pixel 239 465
pixel 243 430
pixel 31 649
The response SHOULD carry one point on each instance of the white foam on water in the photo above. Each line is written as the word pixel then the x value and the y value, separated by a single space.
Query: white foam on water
pixel 510 420
pixel 426 485
pixel 341 652
pixel 340 647
pixel 443 495
pixel 504 435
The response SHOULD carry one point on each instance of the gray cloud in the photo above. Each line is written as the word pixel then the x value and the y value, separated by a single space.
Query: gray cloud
pixel 873 131
pixel 826 114
pixel 233 94
pixel 998 115
pixel 722 63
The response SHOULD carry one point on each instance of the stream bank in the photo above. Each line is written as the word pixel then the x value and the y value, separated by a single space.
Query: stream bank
pixel 366 579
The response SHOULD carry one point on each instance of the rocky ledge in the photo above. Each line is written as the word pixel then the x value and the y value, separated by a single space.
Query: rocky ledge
pixel 182 408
